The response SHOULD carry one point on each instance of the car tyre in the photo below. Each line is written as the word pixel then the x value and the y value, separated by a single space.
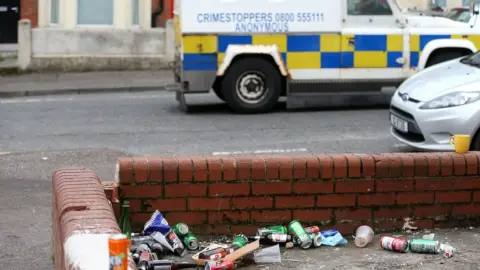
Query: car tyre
pixel 252 85
pixel 475 146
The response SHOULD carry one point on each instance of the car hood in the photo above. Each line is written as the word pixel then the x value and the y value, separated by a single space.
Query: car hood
pixel 439 79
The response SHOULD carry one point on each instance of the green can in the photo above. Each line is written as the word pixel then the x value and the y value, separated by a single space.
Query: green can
pixel 191 241
pixel 181 229
pixel 425 246
pixel 278 229
pixel 303 239
pixel 239 241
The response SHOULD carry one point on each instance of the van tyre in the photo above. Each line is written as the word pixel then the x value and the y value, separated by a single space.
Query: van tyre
pixel 443 57
pixel 252 85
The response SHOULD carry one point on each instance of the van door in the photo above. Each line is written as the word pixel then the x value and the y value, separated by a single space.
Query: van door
pixel 372 42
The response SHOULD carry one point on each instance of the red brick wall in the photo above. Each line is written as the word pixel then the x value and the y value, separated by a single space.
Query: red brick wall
pixel 29 10
pixel 238 194
pixel 79 206
pixel 168 8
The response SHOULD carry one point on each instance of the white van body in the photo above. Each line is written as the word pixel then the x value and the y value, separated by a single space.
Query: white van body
pixel 323 52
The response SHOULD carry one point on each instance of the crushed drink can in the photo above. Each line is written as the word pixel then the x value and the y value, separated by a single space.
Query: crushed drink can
pixel 448 250
pixel 395 244
pixel 176 243
pixel 118 246
pixel 425 246
pixel 223 265
pixel 180 229
pixel 312 229
pixel 317 239
pixel 239 241
pixel 191 241
pixel 302 238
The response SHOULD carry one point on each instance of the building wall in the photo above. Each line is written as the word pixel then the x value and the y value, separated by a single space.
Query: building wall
pixel 29 10
pixel 423 4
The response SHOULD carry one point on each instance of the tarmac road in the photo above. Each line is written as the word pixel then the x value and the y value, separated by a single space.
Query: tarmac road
pixel 41 134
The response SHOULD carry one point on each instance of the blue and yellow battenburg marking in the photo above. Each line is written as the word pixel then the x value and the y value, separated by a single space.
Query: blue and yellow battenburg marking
pixel 325 51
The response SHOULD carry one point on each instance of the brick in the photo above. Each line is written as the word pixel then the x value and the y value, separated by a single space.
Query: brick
pixel 432 210
pixel 368 165
pixel 272 168
pixel 139 219
pixel 228 217
pixel 189 218
pixel 276 216
pixel 336 200
pixel 420 164
pixel 208 203
pixel 164 205
pixel 185 169
pixel 125 170
pixel 185 190
pixel 140 169
pixel 313 167
pixel 408 165
pixel 200 172
pixel 271 188
pixel 244 168
pixel 459 164
pixel 349 228
pixel 414 197
pixel 423 224
pixel 476 196
pixel 466 182
pixel 314 187
pixel 381 166
pixel 214 165
pixel 353 214
pixel 326 166
pixel 259 171
pixel 354 165
pixel 170 170
pixel 218 230
pixel 453 196
pixel 385 185
pixel 140 191
pixel 299 167
pixel 433 164
pixel 294 202
pixel 244 229
pixel 376 199
pixel 471 163
pixel 340 166
pixel 155 166
pixel 434 184
pixel 392 212
pixel 312 215
pixel 229 189
pixel 252 203
pixel 353 186
pixel 229 165
pixel 395 167
pixel 285 167
pixel 466 210
pixel 446 164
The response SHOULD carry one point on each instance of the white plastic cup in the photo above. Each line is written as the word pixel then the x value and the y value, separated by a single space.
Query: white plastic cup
pixel 363 236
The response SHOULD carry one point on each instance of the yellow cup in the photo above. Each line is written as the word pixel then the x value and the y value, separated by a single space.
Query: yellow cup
pixel 460 142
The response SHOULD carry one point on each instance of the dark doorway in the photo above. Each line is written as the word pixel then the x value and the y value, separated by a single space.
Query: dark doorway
pixel 9 16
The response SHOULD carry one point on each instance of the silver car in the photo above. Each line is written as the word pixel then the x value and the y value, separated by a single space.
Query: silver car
pixel 438 102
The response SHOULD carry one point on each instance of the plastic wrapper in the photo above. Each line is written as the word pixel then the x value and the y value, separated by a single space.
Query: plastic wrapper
pixel 268 255
pixel 333 238
pixel 157 223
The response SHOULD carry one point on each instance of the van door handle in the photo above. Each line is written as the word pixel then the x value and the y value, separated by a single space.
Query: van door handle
pixel 14 9
pixel 351 41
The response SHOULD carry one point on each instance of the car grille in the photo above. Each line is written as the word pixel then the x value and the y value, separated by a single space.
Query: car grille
pixel 409 98
pixel 414 134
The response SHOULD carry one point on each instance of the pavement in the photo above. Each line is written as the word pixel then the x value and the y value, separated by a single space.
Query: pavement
pixel 350 257
pixel 35 84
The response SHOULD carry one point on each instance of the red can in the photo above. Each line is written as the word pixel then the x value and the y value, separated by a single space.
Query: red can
pixel 223 265
pixel 312 229
pixel 394 244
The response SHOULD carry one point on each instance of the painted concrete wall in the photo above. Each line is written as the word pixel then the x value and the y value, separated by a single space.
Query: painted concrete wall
pixel 423 4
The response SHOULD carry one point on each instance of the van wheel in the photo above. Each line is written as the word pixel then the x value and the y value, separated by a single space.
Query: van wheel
pixel 443 57
pixel 252 85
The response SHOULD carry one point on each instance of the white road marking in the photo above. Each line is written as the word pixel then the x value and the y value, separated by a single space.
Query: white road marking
pixel 260 151
pixel 4 153
pixel 399 145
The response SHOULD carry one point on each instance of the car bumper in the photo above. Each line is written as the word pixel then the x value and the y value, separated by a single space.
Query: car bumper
pixel 431 129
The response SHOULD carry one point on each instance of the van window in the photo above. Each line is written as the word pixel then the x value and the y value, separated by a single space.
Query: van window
pixel 368 7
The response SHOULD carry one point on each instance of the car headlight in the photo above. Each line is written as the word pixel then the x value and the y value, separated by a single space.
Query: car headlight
pixel 452 100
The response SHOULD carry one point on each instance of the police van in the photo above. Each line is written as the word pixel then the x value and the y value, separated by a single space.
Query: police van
pixel 314 52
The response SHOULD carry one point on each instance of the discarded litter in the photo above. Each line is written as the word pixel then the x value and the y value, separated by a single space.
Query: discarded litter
pixel 159 239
